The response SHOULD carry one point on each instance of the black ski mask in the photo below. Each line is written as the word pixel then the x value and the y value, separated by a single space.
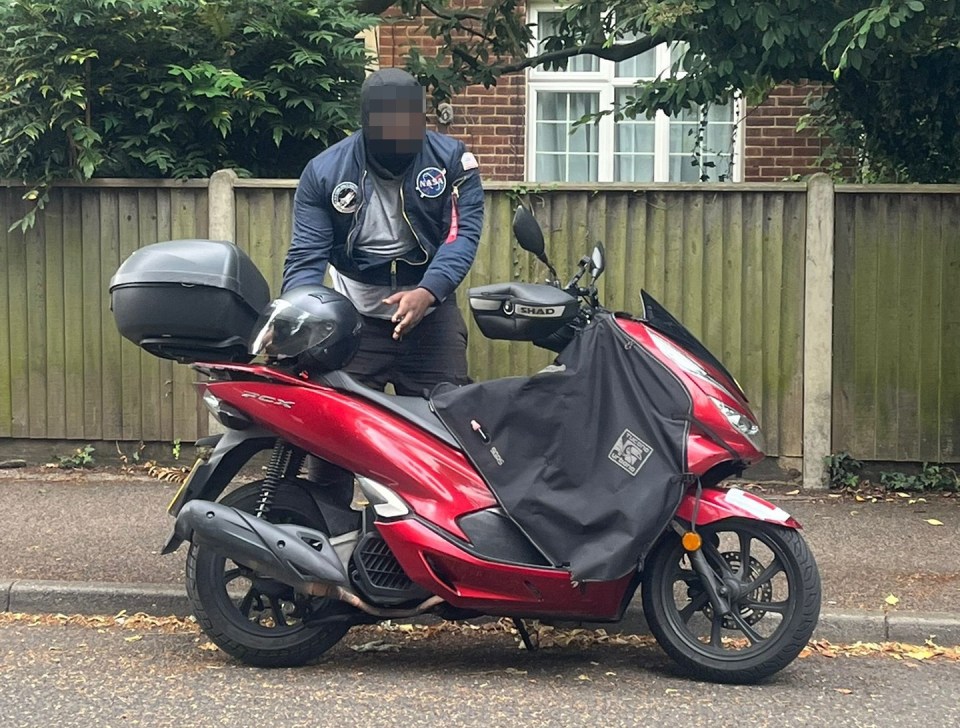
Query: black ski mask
pixel 393 113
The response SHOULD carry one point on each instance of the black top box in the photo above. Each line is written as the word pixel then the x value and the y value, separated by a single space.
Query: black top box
pixel 189 300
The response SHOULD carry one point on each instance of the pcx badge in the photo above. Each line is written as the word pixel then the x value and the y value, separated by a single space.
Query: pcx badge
pixel 345 197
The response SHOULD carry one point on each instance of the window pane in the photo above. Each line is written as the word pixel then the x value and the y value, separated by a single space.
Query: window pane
pixel 677 51
pixel 642 66
pixel 633 167
pixel 634 147
pixel 563 156
pixel 715 154
pixel 547 24
pixel 550 167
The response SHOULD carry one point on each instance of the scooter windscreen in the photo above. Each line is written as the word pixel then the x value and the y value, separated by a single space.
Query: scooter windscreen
pixel 658 318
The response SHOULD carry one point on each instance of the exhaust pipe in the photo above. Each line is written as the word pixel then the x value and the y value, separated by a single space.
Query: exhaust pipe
pixel 300 557
pixel 295 555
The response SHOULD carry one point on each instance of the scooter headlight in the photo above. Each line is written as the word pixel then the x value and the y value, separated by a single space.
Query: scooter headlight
pixel 685 362
pixel 741 423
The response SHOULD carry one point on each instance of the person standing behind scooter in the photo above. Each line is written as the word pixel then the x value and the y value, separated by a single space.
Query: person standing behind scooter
pixel 397 210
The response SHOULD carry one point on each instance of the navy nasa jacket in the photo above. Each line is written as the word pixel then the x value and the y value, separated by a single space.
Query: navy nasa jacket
pixel 442 202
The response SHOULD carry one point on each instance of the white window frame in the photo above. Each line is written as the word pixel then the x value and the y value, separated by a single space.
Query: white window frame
pixel 605 83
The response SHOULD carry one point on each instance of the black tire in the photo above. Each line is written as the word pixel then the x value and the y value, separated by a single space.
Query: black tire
pixel 688 630
pixel 229 621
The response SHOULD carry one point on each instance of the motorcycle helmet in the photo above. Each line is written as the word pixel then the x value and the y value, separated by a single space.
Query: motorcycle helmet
pixel 312 327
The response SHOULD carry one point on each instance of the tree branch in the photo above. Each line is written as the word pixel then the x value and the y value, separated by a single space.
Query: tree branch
pixel 616 52
pixel 452 15
pixel 459 18
pixel 375 7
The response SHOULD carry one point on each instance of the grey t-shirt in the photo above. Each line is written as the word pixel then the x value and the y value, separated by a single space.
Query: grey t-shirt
pixel 384 233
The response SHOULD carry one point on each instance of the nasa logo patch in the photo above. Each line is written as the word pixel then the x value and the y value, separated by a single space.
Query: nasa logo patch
pixel 431 182
pixel 345 197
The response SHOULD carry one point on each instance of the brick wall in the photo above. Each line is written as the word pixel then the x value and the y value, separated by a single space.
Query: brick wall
pixel 774 149
pixel 492 121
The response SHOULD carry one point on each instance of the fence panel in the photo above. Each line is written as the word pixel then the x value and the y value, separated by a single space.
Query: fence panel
pixel 897 324
pixel 65 372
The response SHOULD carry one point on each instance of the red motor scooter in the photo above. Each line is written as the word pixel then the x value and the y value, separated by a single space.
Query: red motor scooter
pixel 554 496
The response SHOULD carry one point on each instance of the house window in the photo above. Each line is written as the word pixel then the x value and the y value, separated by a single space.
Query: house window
pixel 660 149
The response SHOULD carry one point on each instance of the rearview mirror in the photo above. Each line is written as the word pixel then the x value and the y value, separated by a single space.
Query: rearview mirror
pixel 597 261
pixel 528 233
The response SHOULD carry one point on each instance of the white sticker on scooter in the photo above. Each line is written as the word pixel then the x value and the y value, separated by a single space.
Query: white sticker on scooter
pixel 756 507
pixel 630 452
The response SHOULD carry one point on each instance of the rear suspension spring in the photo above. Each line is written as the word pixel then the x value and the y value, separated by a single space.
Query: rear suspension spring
pixel 285 462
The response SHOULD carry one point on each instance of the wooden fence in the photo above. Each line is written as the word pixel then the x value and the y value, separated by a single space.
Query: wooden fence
pixel 65 372
pixel 897 323
pixel 727 260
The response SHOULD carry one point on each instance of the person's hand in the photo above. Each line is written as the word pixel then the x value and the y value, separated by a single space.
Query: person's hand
pixel 411 308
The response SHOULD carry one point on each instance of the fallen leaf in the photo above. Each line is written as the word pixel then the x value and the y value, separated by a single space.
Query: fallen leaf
pixel 921 654
pixel 859 498
pixel 844 691
pixel 583 677
pixel 375 646
pixel 793 492
pixel 934 522
pixel 892 600
pixel 903 495
pixel 911 501
pixel 208 647
pixel 610 674
pixel 135 638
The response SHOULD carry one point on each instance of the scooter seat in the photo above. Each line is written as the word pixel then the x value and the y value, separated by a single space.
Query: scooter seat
pixel 413 409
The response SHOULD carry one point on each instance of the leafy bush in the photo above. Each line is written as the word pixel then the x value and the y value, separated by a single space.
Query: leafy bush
pixel 932 477
pixel 82 457
pixel 843 470
pixel 174 88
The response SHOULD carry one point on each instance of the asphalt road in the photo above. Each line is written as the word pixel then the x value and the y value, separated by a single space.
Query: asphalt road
pixel 90 675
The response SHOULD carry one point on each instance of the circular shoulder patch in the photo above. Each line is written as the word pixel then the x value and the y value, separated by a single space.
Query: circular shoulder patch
pixel 345 197
pixel 431 182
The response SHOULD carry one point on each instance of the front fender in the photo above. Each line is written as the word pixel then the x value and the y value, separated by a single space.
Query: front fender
pixel 232 451
pixel 716 505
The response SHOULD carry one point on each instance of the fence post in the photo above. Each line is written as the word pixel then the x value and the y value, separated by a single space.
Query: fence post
pixel 818 332
pixel 221 206
pixel 221 225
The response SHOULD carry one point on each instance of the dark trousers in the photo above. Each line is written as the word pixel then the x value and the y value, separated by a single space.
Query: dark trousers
pixel 435 351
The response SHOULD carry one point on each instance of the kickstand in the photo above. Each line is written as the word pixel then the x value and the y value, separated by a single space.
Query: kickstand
pixel 524 635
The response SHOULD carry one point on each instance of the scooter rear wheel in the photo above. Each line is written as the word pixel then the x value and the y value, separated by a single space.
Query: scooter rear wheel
pixel 258 621
pixel 773 585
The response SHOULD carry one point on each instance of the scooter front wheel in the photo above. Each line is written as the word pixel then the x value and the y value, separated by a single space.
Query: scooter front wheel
pixel 772 582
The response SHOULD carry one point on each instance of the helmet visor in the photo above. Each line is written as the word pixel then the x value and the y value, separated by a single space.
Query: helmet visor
pixel 285 331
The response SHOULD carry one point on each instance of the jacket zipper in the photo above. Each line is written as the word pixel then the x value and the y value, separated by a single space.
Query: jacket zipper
pixel 426 255
pixel 352 235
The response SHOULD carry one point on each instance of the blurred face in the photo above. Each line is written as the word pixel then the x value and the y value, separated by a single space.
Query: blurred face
pixel 396 121
pixel 404 128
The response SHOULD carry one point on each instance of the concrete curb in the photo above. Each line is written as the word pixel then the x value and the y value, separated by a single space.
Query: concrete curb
pixel 71 597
